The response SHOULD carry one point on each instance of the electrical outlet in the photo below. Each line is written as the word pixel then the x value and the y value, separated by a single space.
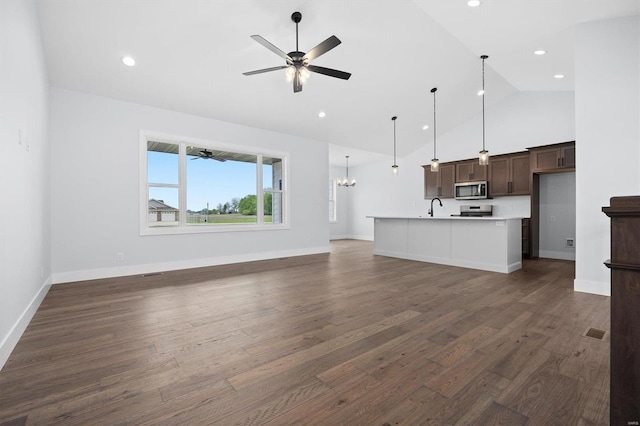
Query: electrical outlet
pixel 569 242
pixel 119 257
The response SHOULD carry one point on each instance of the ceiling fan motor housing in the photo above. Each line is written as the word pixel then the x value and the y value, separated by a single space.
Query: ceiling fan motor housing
pixel 298 58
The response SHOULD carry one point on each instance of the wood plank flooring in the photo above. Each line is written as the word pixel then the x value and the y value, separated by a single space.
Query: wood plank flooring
pixel 342 338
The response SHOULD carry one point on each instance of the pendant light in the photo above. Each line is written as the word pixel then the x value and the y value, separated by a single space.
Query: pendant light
pixel 395 165
pixel 435 163
pixel 345 181
pixel 484 154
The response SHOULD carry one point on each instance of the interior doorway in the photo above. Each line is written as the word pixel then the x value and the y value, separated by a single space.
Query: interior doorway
pixel 557 216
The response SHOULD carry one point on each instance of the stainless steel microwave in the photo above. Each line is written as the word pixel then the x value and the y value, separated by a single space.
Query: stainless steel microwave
pixel 471 190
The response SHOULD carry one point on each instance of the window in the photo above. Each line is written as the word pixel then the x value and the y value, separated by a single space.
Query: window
pixel 272 189
pixel 195 186
pixel 332 201
pixel 163 188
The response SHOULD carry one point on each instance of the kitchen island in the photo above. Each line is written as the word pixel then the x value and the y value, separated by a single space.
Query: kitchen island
pixel 488 243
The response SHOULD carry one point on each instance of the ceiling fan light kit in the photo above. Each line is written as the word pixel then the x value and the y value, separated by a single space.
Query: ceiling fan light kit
pixel 298 68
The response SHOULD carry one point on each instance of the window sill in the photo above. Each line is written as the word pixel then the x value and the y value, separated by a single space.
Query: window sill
pixel 206 229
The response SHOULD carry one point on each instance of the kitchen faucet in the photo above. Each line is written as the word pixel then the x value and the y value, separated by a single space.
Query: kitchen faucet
pixel 431 209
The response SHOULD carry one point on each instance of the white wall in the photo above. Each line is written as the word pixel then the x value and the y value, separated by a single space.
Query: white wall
pixel 557 215
pixel 340 228
pixel 25 243
pixel 523 120
pixel 607 95
pixel 607 148
pixel 94 180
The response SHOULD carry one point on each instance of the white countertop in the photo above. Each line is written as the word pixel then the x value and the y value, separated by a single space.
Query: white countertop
pixel 448 217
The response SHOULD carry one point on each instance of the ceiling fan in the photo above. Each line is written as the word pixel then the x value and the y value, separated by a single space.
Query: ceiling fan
pixel 207 155
pixel 298 67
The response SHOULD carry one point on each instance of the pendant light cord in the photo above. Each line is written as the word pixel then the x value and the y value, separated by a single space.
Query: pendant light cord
pixel 434 120
pixel 347 168
pixel 483 93
pixel 394 138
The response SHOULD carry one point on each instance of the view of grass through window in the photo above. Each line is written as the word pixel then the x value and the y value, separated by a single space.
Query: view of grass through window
pixel 221 187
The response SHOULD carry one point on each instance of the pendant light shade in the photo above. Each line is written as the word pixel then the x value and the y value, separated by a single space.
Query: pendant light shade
pixel 346 182
pixel 395 164
pixel 484 154
pixel 435 163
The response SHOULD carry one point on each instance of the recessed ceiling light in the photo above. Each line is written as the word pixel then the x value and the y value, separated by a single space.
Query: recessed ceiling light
pixel 558 76
pixel 128 61
pixel 425 127
pixel 480 92
pixel 321 114
pixel 539 52
pixel 473 3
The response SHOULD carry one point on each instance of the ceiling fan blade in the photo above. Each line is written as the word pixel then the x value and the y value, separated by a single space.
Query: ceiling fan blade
pixel 272 48
pixel 265 70
pixel 322 48
pixel 297 83
pixel 329 71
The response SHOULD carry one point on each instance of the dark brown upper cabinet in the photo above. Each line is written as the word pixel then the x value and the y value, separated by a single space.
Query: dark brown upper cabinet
pixel 552 158
pixel 509 175
pixel 470 171
pixel 439 184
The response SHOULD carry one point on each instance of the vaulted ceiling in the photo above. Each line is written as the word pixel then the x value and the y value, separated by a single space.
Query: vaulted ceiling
pixel 191 54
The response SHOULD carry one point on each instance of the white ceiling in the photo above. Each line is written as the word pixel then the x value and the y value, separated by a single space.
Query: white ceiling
pixel 191 55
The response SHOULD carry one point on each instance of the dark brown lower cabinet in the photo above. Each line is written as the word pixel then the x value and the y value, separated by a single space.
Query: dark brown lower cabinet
pixel 625 309
pixel 526 238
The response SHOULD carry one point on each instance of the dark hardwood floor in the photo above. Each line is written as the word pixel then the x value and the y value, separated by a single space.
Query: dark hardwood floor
pixel 347 338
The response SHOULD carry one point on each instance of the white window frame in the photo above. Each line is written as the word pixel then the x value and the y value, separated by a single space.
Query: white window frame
pixel 183 227
pixel 333 199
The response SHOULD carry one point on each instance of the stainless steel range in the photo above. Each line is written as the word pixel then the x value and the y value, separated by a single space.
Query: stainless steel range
pixel 475 211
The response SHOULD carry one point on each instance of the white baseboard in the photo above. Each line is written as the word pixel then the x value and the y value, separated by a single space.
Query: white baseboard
pixel 339 237
pixel 10 341
pixel 560 255
pixel 350 237
pixel 361 237
pixel 149 268
pixel 461 263
pixel 593 287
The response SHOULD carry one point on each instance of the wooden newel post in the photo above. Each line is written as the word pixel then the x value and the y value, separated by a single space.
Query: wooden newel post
pixel 625 309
